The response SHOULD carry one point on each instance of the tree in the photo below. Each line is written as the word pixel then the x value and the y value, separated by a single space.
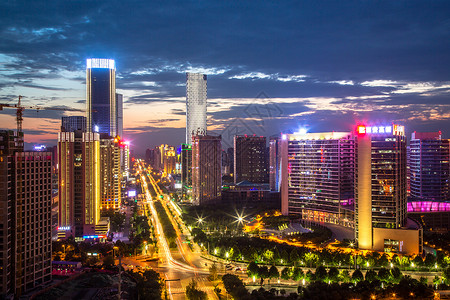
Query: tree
pixel 284 256
pixel 57 257
pixel 333 275
pixel 344 276
pixel 297 274
pixel 357 276
pixel 430 260
pixel 446 276
pixel 213 272
pixel 273 273
pixel 396 275
pixel 193 293
pixel 310 259
pixel 371 275
pixel 321 273
pixel 310 276
pixel 108 261
pixel 234 286
pixel 263 273
pixel 286 273
pixel 384 274
pixel 294 256
pixel 252 269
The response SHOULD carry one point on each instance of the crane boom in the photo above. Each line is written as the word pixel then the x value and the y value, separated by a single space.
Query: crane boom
pixel 19 113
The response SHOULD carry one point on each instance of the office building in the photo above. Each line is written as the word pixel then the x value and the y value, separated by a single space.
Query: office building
pixel 169 160
pixel 79 183
pixel 25 217
pixel 119 115
pixel 186 170
pixel 274 164
pixel 250 159
pixel 195 105
pixel 73 123
pixel 111 173
pixel 101 100
pixel 429 167
pixel 206 169
pixel 381 222
pixel 317 176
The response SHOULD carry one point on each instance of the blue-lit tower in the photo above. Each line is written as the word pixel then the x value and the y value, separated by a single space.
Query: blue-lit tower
pixel 101 104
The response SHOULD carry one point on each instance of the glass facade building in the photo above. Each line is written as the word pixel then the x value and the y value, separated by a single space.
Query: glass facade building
pixel 73 123
pixel 101 103
pixel 429 167
pixel 206 169
pixel 196 95
pixel 250 159
pixel 318 176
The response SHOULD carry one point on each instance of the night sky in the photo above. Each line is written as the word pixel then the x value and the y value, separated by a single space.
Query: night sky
pixel 272 66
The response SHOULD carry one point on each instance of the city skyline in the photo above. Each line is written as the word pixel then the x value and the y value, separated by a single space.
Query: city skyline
pixel 326 73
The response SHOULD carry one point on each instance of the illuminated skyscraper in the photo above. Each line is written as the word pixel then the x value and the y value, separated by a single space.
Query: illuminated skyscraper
pixel 79 183
pixel 101 103
pixel 317 176
pixel 111 173
pixel 195 105
pixel 380 192
pixel 119 115
pixel 72 123
pixel 250 159
pixel 25 217
pixel 429 167
pixel 206 169
pixel 186 170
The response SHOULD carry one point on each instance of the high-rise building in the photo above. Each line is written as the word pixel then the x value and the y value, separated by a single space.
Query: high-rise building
pixel 25 217
pixel 79 183
pixel 195 105
pixel 317 176
pixel 186 170
pixel 111 173
pixel 429 167
pixel 274 164
pixel 206 169
pixel 250 159
pixel 72 123
pixel 380 192
pixel 119 115
pixel 101 103
pixel 169 160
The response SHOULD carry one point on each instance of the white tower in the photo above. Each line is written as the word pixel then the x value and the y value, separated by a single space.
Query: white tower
pixel 195 105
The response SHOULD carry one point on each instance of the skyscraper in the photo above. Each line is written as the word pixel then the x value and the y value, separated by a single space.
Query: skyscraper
pixel 429 167
pixel 119 115
pixel 72 123
pixel 186 170
pixel 274 164
pixel 318 174
pixel 250 159
pixel 196 95
pixel 101 100
pixel 25 217
pixel 111 173
pixel 380 191
pixel 79 183
pixel 206 169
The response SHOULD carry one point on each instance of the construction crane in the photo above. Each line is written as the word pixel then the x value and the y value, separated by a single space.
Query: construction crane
pixel 20 108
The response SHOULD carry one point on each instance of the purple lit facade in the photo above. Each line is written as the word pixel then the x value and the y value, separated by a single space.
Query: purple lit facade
pixel 428 206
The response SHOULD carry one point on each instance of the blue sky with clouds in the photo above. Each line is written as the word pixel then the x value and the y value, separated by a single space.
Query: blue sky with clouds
pixel 273 66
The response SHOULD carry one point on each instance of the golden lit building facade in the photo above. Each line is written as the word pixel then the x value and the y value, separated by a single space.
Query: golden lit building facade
pixel 111 173
pixel 79 183
pixel 381 223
